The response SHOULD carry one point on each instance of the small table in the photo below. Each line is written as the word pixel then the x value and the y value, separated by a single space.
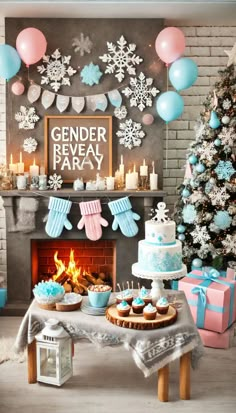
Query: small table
pixel 152 350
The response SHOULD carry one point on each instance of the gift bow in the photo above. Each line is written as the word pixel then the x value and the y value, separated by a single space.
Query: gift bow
pixel 211 274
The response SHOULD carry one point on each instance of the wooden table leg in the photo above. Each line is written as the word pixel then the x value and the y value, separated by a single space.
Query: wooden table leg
pixel 184 376
pixel 163 384
pixel 32 367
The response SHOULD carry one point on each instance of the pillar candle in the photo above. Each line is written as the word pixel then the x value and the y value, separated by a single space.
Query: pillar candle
pixel 12 166
pixel 122 166
pixel 153 182
pixel 130 181
pixel 110 183
pixel 20 165
pixel 144 169
pixel 34 169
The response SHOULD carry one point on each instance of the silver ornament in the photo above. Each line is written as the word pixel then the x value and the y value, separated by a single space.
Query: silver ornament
pixel 212 181
pixel 225 120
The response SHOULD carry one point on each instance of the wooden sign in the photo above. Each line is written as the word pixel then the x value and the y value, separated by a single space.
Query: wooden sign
pixel 78 146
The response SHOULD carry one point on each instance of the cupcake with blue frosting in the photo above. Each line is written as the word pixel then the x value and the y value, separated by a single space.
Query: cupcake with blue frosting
pixel 162 305
pixel 126 295
pixel 145 295
pixel 138 305
pixel 149 312
pixel 123 309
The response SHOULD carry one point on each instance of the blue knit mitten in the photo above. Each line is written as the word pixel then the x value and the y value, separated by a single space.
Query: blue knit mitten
pixel 57 217
pixel 124 217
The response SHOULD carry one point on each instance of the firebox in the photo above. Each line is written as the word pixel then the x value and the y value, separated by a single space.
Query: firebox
pixel 75 264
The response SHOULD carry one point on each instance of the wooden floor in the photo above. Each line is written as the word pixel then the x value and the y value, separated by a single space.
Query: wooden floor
pixel 107 380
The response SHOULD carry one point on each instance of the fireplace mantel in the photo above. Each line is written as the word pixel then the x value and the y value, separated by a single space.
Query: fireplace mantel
pixel 67 192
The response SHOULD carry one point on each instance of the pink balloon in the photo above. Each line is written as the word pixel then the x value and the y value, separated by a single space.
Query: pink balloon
pixel 148 119
pixel 170 44
pixel 17 88
pixel 31 45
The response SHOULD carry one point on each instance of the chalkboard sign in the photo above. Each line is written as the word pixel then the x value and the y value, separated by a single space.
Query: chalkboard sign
pixel 78 146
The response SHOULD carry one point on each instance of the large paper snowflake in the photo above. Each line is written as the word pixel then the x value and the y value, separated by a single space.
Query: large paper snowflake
pixel 57 70
pixel 91 74
pixel 55 182
pixel 218 196
pixel 225 170
pixel 140 91
pixel 130 134
pixel 121 58
pixel 82 44
pixel 26 117
pixel 227 136
pixel 30 145
pixel 207 150
pixel 120 112
pixel 230 244
pixel 200 235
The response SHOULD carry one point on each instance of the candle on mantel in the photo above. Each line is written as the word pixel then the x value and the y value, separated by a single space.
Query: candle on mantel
pixel 110 180
pixel 144 169
pixel 12 166
pixel 130 181
pixel 34 169
pixel 122 166
pixel 20 165
pixel 135 177
pixel 153 178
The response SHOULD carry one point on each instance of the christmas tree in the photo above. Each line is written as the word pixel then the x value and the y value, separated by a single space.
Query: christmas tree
pixel 205 212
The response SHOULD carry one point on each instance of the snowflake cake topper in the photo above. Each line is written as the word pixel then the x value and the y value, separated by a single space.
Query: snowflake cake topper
pixel 55 182
pixel 57 70
pixel 82 44
pixel 130 134
pixel 30 145
pixel 121 58
pixel 26 117
pixel 140 91
pixel 161 212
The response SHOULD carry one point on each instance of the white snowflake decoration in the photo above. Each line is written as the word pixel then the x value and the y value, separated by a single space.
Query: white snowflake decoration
pixel 226 104
pixel 207 150
pixel 130 134
pixel 230 244
pixel 227 136
pixel 200 129
pixel 200 235
pixel 218 196
pixel 30 145
pixel 121 58
pixel 55 182
pixel 82 44
pixel 26 117
pixel 120 112
pixel 196 196
pixel 57 70
pixel 161 213
pixel 140 91
pixel 203 251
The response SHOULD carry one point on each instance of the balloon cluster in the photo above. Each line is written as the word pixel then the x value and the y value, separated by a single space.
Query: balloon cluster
pixel 170 45
pixel 31 45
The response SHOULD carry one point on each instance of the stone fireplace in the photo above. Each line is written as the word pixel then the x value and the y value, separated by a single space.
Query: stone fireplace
pixel 27 259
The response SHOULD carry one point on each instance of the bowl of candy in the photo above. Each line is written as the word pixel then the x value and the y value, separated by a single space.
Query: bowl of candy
pixel 99 295
pixel 48 293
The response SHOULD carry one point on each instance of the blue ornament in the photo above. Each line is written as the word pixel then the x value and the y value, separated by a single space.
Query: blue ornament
pixel 200 168
pixel 222 220
pixel 214 122
pixel 91 74
pixel 197 262
pixel 217 142
pixel 189 214
pixel 193 159
pixel 181 237
pixel 181 228
pixel 225 170
pixel 194 183
pixel 185 193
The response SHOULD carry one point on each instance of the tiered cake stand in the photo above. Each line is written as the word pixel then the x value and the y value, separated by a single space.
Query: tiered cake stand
pixel 157 278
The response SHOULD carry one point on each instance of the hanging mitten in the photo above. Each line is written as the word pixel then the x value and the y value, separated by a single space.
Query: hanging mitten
pixel 92 219
pixel 57 217
pixel 124 217
pixel 26 214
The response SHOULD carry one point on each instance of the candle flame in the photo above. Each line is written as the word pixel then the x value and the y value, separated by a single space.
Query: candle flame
pixel 11 159
pixel 121 160
pixel 34 162
pixel 20 157
pixel 134 170
pixel 144 162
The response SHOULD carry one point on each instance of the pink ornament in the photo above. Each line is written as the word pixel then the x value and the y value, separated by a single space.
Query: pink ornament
pixel 147 119
pixel 31 45
pixel 17 88
pixel 170 44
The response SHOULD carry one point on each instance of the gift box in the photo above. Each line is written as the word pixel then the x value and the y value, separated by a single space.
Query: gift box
pixel 219 340
pixel 211 299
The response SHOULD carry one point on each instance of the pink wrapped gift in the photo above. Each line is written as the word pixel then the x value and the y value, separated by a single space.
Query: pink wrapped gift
pixel 219 340
pixel 211 299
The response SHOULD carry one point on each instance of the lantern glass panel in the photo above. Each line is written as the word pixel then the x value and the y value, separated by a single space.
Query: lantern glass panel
pixel 65 358
pixel 48 362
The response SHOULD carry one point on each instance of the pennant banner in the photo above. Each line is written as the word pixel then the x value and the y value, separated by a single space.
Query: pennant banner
pixel 47 99
pixel 34 93
pixel 77 104
pixel 62 102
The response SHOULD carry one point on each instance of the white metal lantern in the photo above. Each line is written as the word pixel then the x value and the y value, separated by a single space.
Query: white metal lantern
pixel 54 354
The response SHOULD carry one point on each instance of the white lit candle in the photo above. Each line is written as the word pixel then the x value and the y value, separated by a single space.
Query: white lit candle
pixel 135 177
pixel 122 166
pixel 110 183
pixel 153 179
pixel 130 182
pixel 144 169
pixel 20 165
pixel 12 166
pixel 34 169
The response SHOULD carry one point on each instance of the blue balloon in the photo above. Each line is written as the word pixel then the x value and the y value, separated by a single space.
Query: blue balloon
pixel 170 106
pixel 183 73
pixel 10 61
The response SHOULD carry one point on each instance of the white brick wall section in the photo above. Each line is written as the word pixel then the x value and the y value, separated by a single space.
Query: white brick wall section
pixel 205 45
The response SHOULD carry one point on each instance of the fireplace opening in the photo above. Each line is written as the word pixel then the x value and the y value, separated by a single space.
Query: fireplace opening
pixel 75 264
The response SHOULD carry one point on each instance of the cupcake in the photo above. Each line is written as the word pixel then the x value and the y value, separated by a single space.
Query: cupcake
pixel 138 305
pixel 162 305
pixel 145 295
pixel 123 309
pixel 149 312
pixel 126 295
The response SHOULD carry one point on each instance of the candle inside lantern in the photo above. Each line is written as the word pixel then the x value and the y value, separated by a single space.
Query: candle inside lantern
pixel 34 169
pixel 12 166
pixel 144 169
pixel 153 179
pixel 110 180
pixel 20 165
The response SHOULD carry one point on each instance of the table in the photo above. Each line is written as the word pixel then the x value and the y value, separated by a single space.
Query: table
pixel 152 350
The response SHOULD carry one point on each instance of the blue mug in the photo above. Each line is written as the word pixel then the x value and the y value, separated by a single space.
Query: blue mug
pixel 99 299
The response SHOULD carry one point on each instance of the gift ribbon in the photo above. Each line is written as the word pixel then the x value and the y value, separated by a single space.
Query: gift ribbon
pixel 209 276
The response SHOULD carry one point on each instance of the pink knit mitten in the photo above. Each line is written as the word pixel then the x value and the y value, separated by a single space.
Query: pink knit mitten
pixel 92 219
